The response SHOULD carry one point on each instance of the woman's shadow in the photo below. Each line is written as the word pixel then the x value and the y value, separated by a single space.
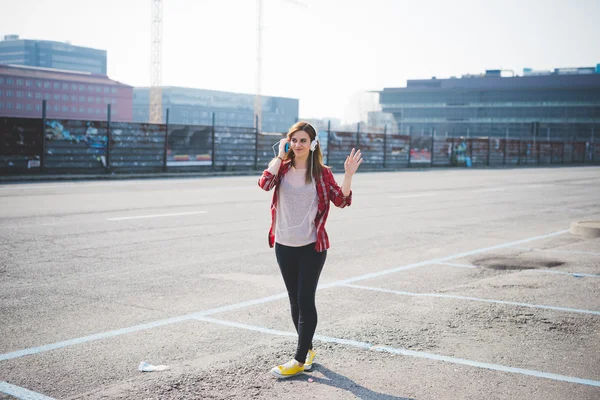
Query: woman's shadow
pixel 341 382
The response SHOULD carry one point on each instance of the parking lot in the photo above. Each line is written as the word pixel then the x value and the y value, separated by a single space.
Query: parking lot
pixel 438 284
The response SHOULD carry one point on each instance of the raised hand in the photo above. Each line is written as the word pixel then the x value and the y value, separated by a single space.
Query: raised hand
pixel 352 162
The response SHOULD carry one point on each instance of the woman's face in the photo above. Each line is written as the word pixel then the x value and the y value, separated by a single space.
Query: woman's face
pixel 300 144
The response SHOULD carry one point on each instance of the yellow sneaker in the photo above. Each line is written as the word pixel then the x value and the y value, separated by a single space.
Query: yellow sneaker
pixel 310 356
pixel 287 370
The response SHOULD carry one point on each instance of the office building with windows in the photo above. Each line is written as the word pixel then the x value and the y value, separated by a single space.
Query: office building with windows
pixel 563 103
pixel 48 54
pixel 68 94
pixel 196 106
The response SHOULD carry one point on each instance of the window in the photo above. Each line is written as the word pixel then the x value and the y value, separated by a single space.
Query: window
pixel 98 100
pixel 19 106
pixel 81 110
pixel 65 97
pixel 56 97
pixel 28 82
pixel 90 88
pixel 0 92
pixel 81 88
pixel 9 93
pixel 56 85
pixel 38 95
pixel 73 109
pixel 106 90
pixel 28 107
pixel 47 85
pixel 65 86
pixel 9 105
pixel 38 107
pixel 39 84
pixel 82 98
pixel 98 89
pixel 73 87
pixel 56 108
pixel 46 96
pixel 29 95
pixel 1 104
pixel 9 81
pixel 90 110
pixel 19 93
pixel 113 90
pixel 65 109
pixel 90 99
pixel 73 98
pixel 98 111
pixel 19 82
pixel 1 81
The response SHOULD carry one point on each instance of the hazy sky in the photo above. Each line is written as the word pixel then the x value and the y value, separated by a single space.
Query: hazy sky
pixel 324 53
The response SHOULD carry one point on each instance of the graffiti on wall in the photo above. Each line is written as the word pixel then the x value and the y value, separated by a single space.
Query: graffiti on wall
pixel 92 133
pixel 189 145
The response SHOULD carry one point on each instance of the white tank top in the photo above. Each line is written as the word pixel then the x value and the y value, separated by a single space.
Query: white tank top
pixel 296 210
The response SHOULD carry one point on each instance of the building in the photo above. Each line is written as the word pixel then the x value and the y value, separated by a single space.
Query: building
pixel 378 121
pixel 68 94
pixel 196 106
pixel 47 54
pixel 564 103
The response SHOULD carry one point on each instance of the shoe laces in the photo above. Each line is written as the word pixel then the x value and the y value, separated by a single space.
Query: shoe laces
pixel 290 364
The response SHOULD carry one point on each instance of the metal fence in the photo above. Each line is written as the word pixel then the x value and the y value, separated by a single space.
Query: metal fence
pixel 55 146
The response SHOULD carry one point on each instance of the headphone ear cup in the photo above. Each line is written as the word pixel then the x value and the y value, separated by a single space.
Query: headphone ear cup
pixel 313 145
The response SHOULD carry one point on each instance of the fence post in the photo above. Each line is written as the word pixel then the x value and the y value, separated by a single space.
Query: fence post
pixel 452 161
pixel 593 146
pixel 505 148
pixel 432 146
pixel 409 149
pixel 328 139
pixel 357 134
pixel 489 150
pixel 166 142
pixel 108 137
pixel 471 151
pixel 43 155
pixel 213 156
pixel 256 145
pixel 385 146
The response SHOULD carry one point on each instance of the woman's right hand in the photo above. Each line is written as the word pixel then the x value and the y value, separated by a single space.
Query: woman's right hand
pixel 282 144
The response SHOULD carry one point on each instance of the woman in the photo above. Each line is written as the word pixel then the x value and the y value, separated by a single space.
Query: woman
pixel 304 186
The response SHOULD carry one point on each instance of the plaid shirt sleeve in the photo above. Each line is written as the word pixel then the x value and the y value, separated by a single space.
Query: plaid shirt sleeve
pixel 335 191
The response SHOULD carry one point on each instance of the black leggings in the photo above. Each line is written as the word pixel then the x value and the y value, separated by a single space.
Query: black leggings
pixel 301 268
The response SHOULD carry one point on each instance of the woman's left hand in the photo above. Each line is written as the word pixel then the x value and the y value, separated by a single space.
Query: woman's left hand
pixel 352 162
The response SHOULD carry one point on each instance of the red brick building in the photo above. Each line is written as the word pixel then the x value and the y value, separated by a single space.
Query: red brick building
pixel 68 94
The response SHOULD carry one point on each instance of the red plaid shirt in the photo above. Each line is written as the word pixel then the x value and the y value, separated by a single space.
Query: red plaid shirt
pixel 327 189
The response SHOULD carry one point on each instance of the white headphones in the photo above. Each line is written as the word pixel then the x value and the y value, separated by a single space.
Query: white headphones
pixel 315 142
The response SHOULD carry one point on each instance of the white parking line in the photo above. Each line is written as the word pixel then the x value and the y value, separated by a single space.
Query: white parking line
pixel 451 296
pixel 458 265
pixel 104 335
pixel 21 393
pixel 575 274
pixel 156 216
pixel 413 195
pixel 412 353
pixel 485 190
pixel 557 251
